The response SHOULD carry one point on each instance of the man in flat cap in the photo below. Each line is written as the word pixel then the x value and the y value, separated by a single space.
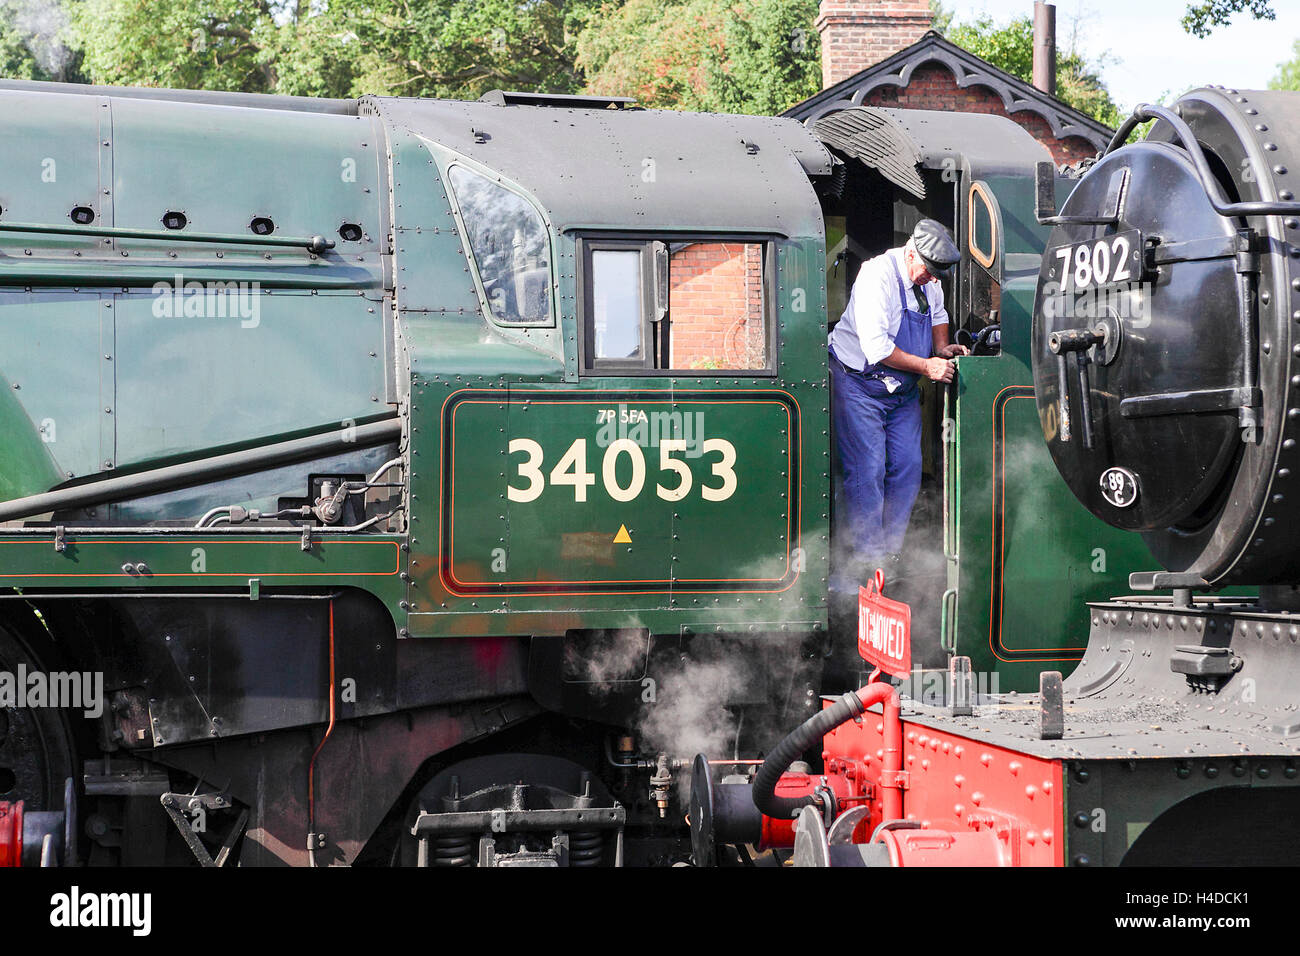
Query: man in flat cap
pixel 894 331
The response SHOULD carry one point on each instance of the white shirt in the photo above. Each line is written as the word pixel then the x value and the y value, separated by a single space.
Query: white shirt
pixel 865 333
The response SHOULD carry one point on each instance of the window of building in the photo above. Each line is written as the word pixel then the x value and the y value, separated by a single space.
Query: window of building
pixel 508 240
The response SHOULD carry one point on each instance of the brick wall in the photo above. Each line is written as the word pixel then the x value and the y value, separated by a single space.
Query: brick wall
pixel 715 302
pixel 856 34
pixel 933 87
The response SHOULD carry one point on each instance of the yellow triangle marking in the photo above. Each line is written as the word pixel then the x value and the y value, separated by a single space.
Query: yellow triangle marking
pixel 622 537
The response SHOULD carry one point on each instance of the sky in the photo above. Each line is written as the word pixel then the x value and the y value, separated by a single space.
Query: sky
pixel 1148 54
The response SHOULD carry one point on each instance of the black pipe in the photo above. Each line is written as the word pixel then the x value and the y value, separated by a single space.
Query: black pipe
pixel 206 469
pixel 316 244
pixel 1184 134
pixel 810 732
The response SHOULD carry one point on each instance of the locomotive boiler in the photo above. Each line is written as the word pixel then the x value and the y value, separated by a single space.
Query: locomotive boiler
pixel 1166 336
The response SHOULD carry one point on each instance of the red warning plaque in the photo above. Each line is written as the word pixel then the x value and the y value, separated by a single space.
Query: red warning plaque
pixel 884 629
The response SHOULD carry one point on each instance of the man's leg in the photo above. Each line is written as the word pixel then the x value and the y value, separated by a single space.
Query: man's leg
pixel 902 478
pixel 860 435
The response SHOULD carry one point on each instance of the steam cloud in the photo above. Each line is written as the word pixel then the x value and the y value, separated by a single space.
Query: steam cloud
pixel 721 696
pixel 42 24
pixel 691 715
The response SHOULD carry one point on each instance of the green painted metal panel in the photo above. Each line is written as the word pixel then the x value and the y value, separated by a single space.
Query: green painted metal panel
pixel 222 166
pixel 51 159
pixel 29 467
pixel 206 562
pixel 456 357
pixel 191 383
pixel 52 350
pixel 432 268
pixel 147 387
pixel 570 538
pixel 199 560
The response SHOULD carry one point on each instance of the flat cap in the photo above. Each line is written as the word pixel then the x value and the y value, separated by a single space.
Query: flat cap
pixel 935 247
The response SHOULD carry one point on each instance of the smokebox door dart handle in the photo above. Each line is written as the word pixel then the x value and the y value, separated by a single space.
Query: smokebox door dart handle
pixel 1063 386
pixel 1078 341
pixel 315 244
pixel 1085 398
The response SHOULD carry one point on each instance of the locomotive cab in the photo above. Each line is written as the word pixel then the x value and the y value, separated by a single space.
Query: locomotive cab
pixel 975 567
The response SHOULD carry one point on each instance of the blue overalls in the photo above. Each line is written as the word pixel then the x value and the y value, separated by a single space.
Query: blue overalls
pixel 879 437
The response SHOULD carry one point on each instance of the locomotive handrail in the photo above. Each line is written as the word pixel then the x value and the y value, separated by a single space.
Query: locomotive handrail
pixel 1145 111
pixel 315 244
pixel 188 474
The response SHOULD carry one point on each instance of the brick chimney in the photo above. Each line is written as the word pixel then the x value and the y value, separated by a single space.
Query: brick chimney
pixel 858 33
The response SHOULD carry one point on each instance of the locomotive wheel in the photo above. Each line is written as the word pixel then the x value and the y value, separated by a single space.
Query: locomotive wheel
pixel 36 751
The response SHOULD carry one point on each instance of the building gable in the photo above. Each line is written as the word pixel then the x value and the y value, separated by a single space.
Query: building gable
pixel 936 74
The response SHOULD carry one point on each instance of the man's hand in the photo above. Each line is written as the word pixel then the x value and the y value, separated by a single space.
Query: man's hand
pixel 952 351
pixel 940 369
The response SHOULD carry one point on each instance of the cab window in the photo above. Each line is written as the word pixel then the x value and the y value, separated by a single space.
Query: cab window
pixel 508 241
pixel 680 305
pixel 618 312
pixel 982 281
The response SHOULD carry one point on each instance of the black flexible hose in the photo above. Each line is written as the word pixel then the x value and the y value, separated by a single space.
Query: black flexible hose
pixel 800 739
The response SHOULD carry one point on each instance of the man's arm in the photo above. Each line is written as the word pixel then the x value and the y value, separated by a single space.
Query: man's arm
pixel 939 326
pixel 872 303
pixel 936 369
pixel 873 300
pixel 939 334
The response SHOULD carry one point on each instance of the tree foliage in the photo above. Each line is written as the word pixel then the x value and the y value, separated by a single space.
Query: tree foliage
pixel 1010 47
pixel 940 17
pixel 749 56
pixel 449 48
pixel 1288 73
pixel 739 56
pixel 454 48
pixel 756 56
pixel 187 44
pixel 16 60
pixel 1201 18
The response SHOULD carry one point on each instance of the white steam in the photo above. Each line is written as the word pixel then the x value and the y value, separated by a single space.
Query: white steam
pixel 690 714
pixel 42 24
